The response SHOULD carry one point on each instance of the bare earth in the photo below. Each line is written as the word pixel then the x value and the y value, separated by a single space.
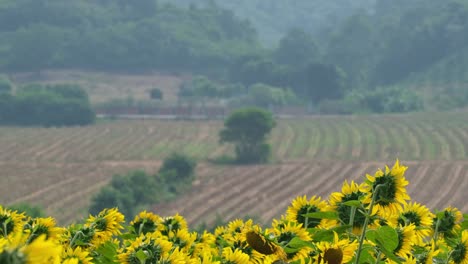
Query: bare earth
pixel 62 168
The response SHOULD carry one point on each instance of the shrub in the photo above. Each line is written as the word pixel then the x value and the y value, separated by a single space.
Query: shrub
pixel 177 167
pixel 5 85
pixel 156 93
pixel 28 209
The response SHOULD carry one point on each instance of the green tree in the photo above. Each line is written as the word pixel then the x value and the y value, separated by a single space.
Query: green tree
pixel 248 129
pixel 296 48
pixel 178 167
pixel 156 93
pixel 5 85
pixel 264 96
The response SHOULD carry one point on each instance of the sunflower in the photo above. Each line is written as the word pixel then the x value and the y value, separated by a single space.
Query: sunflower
pixel 107 223
pixel 154 246
pixel 234 257
pixel 77 255
pixel 174 257
pixel 182 238
pixel 259 245
pixel 406 240
pixel 285 232
pixel 418 215
pixel 80 235
pixel 238 225
pixel 429 253
pixel 10 222
pixel 172 223
pixel 459 253
pixel 336 252
pixel 387 189
pixel 301 206
pixel 207 258
pixel 145 222
pixel 447 222
pixel 42 251
pixel 349 192
pixel 46 226
pixel 204 244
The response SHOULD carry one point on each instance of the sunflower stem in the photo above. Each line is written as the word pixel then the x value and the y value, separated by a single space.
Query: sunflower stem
pixel 366 222
pixel 72 242
pixel 351 218
pixel 448 257
pixel 436 231
pixel 5 231
pixel 379 255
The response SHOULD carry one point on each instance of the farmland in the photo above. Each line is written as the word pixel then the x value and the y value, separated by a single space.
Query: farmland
pixel 61 168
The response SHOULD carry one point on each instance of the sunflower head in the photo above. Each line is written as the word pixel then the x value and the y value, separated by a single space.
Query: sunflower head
pixel 80 235
pixel 336 252
pixel 286 232
pixel 460 250
pixel 156 248
pixel 10 222
pixel 417 215
pixel 77 255
pixel 406 239
pixel 447 222
pixel 236 256
pixel 145 222
pixel 263 243
pixel 300 207
pixel 387 189
pixel 42 251
pixel 349 192
pixel 108 221
pixel 182 238
pixel 172 223
pixel 44 226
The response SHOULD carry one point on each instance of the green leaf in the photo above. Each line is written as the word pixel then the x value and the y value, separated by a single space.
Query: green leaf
pixel 464 224
pixel 354 203
pixel 322 215
pixel 141 255
pixel 366 256
pixel 299 243
pixel 128 236
pixel 388 238
pixel 106 253
pixel 327 235
pixel 390 255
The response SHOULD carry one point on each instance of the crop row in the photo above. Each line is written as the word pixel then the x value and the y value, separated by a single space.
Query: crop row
pixel 264 192
pixel 409 137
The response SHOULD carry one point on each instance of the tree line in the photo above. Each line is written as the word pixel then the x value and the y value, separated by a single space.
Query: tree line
pixel 383 50
pixel 44 105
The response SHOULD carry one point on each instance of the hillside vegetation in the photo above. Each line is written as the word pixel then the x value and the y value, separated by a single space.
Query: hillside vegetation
pixel 334 56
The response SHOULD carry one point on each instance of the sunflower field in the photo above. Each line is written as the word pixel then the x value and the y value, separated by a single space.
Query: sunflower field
pixel 370 222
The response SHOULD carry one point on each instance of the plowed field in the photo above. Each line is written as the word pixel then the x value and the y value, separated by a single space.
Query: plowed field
pixel 61 168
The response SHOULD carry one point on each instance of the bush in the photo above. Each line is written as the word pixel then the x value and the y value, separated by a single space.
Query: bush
pixel 52 105
pixel 137 189
pixel 5 85
pixel 156 93
pixel 177 167
pixel 392 99
pixel 28 209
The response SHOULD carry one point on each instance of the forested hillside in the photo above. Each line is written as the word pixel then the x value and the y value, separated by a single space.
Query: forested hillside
pixel 331 56
pixel 118 35
pixel 273 19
